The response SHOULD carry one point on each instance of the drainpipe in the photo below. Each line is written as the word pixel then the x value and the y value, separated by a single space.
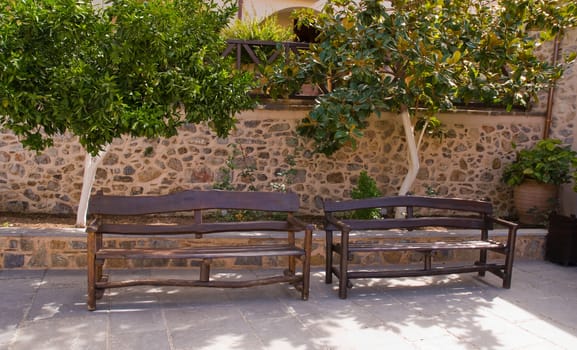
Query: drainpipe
pixel 551 93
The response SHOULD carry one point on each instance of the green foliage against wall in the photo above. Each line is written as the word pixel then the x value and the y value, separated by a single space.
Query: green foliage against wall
pixel 420 56
pixel 133 68
pixel 240 174
pixel 267 29
pixel 366 188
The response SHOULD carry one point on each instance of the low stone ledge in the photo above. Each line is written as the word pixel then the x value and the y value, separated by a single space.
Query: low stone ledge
pixel 41 232
pixel 79 232
pixel 59 248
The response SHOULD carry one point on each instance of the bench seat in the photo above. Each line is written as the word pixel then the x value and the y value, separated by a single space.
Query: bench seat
pixel 420 213
pixel 201 252
pixel 420 246
pixel 106 225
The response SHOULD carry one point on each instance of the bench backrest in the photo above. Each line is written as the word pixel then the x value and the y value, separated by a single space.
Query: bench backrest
pixel 464 213
pixel 192 200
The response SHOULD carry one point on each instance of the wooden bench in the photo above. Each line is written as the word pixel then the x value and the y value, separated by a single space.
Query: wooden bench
pixel 454 213
pixel 105 211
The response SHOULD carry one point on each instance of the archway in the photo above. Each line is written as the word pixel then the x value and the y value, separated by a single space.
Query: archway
pixel 303 33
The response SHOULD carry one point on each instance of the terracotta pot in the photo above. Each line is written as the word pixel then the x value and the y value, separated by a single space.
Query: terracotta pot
pixel 534 201
pixel 309 90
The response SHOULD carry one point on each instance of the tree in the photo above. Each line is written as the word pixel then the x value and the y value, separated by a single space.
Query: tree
pixel 417 58
pixel 137 68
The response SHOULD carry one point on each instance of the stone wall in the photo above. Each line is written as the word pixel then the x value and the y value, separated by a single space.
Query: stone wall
pixel 564 121
pixel 66 249
pixel 467 163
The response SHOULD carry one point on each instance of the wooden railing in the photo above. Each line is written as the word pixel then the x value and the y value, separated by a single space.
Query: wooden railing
pixel 258 51
pixel 255 55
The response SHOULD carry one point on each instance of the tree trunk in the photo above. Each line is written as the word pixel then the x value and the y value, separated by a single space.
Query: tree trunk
pixel 90 165
pixel 412 158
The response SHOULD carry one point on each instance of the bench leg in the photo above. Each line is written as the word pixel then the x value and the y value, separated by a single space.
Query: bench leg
pixel 507 280
pixel 292 265
pixel 344 265
pixel 308 244
pixel 344 278
pixel 483 252
pixel 91 271
pixel 427 260
pixel 508 273
pixel 328 257
pixel 91 299
pixel 100 277
pixel 205 270
pixel 482 261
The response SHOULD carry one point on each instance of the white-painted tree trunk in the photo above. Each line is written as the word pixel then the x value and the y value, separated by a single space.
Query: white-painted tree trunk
pixel 90 165
pixel 412 158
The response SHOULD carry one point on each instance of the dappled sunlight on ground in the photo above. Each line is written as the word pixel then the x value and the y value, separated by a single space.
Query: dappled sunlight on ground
pixel 47 310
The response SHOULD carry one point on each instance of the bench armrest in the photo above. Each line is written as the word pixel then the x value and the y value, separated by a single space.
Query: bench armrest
pixel 506 223
pixel 343 227
pixel 511 226
pixel 299 224
pixel 93 226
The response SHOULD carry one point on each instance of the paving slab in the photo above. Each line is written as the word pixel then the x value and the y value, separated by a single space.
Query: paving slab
pixel 45 309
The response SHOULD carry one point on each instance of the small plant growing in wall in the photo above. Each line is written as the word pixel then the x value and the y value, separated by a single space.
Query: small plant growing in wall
pixel 430 191
pixel 285 177
pixel 366 188
pixel 228 180
pixel 227 173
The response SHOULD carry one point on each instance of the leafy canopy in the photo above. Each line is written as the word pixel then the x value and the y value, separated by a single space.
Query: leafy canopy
pixel 420 55
pixel 133 68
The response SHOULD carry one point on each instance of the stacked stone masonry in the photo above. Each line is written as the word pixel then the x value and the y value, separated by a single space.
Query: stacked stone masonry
pixel 265 152
pixel 66 249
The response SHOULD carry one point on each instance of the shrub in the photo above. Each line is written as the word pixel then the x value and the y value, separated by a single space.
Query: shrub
pixel 366 188
pixel 266 30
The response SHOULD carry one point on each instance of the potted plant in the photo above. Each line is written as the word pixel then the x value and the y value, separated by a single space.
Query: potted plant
pixel 536 175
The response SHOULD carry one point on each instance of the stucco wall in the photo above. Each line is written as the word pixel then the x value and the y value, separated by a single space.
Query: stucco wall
pixel 265 8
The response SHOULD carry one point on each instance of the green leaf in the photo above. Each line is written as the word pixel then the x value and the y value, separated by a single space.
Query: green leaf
pixel 422 55
pixel 120 70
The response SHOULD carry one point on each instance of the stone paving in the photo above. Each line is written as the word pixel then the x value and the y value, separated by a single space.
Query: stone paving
pixel 45 309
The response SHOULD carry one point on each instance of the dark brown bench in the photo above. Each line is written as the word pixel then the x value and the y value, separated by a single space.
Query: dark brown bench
pixel 357 236
pixel 106 210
